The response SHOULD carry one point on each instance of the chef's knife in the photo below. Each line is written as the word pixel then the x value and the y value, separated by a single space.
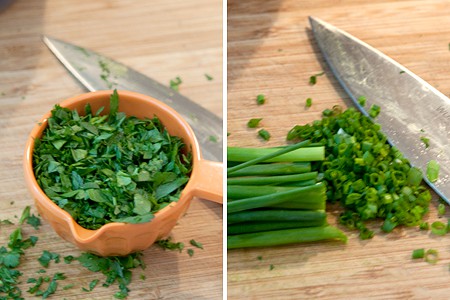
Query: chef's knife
pixel 97 72
pixel 410 107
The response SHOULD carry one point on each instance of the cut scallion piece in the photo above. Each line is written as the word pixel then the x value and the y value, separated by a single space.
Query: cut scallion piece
pixel 418 253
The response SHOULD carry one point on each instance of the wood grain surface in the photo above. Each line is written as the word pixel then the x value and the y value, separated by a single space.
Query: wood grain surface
pixel 271 51
pixel 162 39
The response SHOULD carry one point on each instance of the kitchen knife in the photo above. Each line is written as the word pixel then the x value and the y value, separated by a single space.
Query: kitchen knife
pixel 97 72
pixel 410 107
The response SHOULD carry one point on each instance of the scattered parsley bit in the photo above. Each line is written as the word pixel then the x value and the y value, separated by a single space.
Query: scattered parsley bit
pixel 47 256
pixel 313 79
pixel 106 73
pixel 308 102
pixel 109 168
pixel 190 252
pixel 51 288
pixel 196 244
pixel 115 268
pixel 175 83
pixel 166 244
pixel 362 100
pixel 208 77
pixel 68 259
pixel 401 72
pixel 260 258
pixel 264 134
pixel 433 171
pixel 67 287
pixel 260 99
pixel 34 221
pixel 213 138
pixel 271 267
pixel 253 123
pixel 418 253
pixel 92 285
pixel 143 277
pixel 40 271
pixel 426 141
pixel 25 215
pixel 374 111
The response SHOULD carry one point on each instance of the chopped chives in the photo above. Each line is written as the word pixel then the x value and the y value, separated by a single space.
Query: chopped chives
pixel 260 99
pixel 431 256
pixel 253 123
pixel 433 170
pixel 438 228
pixel 441 209
pixel 264 134
pixel 418 253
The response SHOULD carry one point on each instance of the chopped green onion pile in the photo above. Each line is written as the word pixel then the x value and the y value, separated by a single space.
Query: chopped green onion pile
pixel 274 198
pixel 370 178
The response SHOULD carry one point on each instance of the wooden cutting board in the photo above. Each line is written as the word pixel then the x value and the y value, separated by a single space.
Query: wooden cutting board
pixel 271 51
pixel 162 39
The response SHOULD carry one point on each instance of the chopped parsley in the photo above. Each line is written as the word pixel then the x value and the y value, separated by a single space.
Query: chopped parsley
pixel 196 244
pixel 208 77
pixel 109 168
pixel 167 244
pixel 47 257
pixel 190 252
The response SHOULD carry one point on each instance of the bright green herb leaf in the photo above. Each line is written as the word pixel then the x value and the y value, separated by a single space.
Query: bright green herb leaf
pixel 190 252
pixel 169 245
pixel 34 221
pixel 208 77
pixel 48 256
pixel 196 244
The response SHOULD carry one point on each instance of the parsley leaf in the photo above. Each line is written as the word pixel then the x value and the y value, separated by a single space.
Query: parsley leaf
pixel 196 244
pixel 167 244
pixel 46 257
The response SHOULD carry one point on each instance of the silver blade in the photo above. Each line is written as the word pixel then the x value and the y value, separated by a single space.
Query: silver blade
pixel 97 72
pixel 410 107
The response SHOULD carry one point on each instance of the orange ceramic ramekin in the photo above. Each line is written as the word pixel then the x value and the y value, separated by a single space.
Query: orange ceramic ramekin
pixel 121 238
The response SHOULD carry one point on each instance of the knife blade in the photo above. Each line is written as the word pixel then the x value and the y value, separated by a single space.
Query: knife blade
pixel 97 72
pixel 410 107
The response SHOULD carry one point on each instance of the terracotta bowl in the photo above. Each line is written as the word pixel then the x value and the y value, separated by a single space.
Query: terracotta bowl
pixel 122 238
